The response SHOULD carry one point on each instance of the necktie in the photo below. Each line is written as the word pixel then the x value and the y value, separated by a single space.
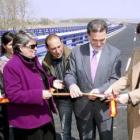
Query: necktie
pixel 94 65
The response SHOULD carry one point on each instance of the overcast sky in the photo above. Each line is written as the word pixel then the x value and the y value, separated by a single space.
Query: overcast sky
pixel 123 9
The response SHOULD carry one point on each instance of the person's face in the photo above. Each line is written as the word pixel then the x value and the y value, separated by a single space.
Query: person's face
pixel 55 46
pixel 30 49
pixel 97 39
pixel 8 47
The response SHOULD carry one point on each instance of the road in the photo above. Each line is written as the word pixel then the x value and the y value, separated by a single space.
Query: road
pixel 126 41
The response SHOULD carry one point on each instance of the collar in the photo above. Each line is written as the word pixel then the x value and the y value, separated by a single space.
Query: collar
pixel 24 61
pixel 91 48
pixel 27 59
pixel 57 60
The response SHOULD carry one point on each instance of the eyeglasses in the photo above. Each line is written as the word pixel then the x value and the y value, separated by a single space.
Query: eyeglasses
pixel 32 46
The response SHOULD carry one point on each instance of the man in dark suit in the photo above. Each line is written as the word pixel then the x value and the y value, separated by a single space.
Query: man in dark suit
pixel 93 68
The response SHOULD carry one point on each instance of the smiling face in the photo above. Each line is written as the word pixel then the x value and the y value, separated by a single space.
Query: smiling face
pixel 97 39
pixel 29 51
pixel 55 46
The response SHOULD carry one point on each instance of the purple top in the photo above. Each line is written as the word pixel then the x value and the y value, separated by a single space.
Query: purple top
pixel 23 86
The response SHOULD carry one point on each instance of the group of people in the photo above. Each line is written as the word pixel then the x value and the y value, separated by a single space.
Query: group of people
pixel 94 67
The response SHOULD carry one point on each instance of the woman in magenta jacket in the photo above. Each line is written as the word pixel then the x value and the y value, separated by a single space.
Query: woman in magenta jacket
pixel 27 87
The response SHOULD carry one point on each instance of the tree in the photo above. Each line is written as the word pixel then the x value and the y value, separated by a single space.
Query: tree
pixel 13 14
pixel 22 5
pixel 45 21
pixel 12 10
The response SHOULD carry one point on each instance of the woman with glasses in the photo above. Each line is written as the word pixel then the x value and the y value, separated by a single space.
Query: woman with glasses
pixel 28 88
pixel 6 55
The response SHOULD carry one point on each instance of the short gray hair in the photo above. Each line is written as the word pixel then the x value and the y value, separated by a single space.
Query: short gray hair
pixel 96 25
pixel 22 37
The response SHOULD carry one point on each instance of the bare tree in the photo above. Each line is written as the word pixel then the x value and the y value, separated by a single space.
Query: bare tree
pixel 22 11
pixel 13 14
pixel 3 15
pixel 12 7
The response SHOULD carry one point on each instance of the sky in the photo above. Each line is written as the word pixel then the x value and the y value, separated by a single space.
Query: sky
pixel 52 9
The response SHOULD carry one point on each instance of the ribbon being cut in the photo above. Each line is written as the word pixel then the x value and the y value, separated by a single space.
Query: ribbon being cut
pixel 112 102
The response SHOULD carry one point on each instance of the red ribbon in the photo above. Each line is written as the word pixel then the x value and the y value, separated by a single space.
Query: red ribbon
pixel 112 103
pixel 4 100
pixel 113 107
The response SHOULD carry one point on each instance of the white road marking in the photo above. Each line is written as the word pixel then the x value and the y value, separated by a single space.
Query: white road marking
pixel 121 106
pixel 128 63
pixel 115 32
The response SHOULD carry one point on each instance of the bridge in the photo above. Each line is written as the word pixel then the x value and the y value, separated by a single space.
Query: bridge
pixel 125 39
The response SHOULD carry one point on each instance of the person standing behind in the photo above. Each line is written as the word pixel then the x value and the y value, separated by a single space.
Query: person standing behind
pixel 28 90
pixel 132 99
pixel 94 66
pixel 7 53
pixel 55 63
pixel 6 49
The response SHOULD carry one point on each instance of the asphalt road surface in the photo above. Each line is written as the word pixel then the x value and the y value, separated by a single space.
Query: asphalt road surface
pixel 120 126
pixel 126 41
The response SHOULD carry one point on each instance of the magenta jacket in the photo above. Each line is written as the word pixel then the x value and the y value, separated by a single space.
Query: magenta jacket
pixel 23 86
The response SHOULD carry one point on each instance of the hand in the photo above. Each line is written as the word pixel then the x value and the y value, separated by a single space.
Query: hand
pixel 75 91
pixel 109 90
pixel 123 98
pixel 108 94
pixel 91 97
pixel 58 84
pixel 46 94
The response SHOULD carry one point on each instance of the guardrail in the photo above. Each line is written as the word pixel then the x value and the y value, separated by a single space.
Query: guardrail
pixel 54 30
pixel 72 39
pixel 70 36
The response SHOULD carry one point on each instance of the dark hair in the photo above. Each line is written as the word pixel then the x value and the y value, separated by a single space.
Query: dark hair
pixel 138 28
pixel 49 37
pixel 22 37
pixel 5 39
pixel 96 25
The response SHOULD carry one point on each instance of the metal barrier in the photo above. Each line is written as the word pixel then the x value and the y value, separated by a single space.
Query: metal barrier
pixel 54 30
pixel 69 35
pixel 72 39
